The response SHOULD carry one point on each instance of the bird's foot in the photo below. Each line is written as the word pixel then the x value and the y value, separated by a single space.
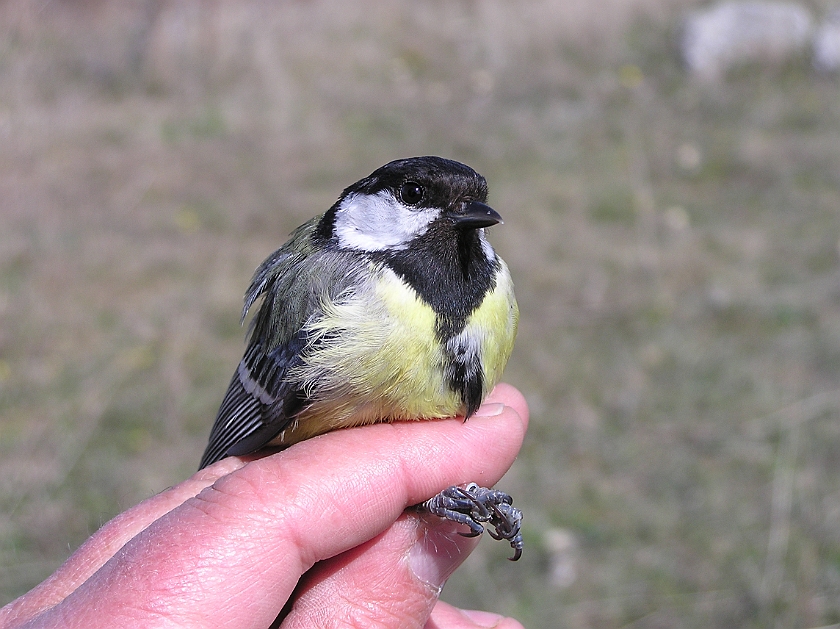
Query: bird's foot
pixel 474 506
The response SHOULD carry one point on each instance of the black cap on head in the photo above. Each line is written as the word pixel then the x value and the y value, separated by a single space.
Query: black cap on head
pixel 445 182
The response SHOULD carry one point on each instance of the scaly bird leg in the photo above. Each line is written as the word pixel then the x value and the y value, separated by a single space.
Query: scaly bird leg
pixel 473 505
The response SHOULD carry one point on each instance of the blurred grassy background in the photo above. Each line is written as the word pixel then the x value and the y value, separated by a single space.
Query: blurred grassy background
pixel 674 247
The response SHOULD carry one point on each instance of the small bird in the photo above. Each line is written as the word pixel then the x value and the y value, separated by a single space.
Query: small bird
pixel 390 306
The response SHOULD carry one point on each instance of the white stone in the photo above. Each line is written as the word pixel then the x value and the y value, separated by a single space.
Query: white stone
pixel 730 34
pixel 827 43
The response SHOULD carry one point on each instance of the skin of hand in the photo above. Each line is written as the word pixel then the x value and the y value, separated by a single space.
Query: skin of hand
pixel 322 525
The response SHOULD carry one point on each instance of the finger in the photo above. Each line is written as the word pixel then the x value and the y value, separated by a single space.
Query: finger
pixel 393 580
pixel 233 554
pixel 102 545
pixel 445 616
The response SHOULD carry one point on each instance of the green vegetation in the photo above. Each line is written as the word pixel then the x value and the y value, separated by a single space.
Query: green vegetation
pixel 674 247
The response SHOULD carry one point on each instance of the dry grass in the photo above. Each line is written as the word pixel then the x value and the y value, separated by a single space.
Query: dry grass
pixel 674 246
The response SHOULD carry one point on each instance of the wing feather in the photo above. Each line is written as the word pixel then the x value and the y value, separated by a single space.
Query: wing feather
pixel 262 400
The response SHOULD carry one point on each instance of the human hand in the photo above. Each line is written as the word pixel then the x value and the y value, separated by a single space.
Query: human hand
pixel 319 528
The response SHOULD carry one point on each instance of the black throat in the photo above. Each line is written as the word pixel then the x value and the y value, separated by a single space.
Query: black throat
pixel 450 271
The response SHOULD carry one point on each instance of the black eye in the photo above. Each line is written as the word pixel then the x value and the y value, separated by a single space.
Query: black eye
pixel 411 193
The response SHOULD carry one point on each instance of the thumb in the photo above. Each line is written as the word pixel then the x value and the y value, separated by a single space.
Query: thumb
pixel 393 580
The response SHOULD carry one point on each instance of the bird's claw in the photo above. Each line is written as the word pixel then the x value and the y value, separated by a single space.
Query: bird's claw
pixel 474 506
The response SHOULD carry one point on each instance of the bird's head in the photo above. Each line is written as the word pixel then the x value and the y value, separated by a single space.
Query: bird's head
pixel 399 203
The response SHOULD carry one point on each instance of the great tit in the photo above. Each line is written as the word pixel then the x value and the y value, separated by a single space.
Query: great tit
pixel 392 305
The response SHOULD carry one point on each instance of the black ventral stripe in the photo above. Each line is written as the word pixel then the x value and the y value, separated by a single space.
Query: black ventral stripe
pixel 468 380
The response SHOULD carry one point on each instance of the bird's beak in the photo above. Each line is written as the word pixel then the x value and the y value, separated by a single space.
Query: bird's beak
pixel 476 215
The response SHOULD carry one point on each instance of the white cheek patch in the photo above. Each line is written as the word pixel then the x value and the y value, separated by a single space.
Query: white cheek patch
pixel 486 247
pixel 373 222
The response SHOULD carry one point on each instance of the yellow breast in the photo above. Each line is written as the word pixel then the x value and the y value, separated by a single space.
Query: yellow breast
pixel 376 356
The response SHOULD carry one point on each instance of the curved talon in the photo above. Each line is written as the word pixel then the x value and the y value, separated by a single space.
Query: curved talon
pixel 508 525
pixel 472 505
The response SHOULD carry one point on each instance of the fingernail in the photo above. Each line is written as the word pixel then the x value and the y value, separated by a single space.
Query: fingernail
pixel 491 409
pixel 438 551
pixel 482 619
